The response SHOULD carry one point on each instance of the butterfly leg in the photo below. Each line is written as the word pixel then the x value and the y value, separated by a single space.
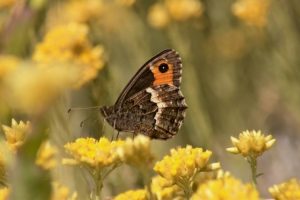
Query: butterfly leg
pixel 112 137
pixel 103 126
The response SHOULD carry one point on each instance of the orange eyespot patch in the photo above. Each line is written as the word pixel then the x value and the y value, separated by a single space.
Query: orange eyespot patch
pixel 163 73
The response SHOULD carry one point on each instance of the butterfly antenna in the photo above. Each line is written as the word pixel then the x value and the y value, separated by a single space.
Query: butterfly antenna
pixel 87 108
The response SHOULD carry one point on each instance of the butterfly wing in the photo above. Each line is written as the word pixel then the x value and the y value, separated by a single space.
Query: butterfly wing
pixel 149 74
pixel 152 102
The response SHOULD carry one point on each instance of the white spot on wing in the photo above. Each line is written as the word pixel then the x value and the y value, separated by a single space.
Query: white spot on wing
pixel 154 98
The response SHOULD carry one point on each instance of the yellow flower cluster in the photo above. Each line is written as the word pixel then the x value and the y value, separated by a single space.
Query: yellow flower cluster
pixel 16 134
pixel 160 14
pixel 69 44
pixel 289 190
pixel 61 192
pixel 32 89
pixel 251 143
pixel 46 156
pixel 4 193
pixel 132 195
pixel 227 188
pixel 126 2
pixel 253 12
pixel 74 11
pixel 7 3
pixel 184 163
pixel 95 153
pixel 162 189
pixel 136 151
pixel 8 64
pixel 82 11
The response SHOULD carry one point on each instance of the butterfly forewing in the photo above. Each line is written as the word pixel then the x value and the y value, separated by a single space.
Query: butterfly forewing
pixel 151 103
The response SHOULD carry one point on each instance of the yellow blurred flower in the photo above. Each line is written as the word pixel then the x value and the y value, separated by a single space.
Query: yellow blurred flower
pixel 126 2
pixel 227 188
pixel 69 44
pixel 251 143
pixel 184 163
pixel 4 193
pixel 82 11
pixel 136 151
pixel 7 3
pixel 132 195
pixel 162 189
pixel 31 89
pixel 8 64
pixel 252 12
pixel 161 13
pixel 46 156
pixel 289 190
pixel 182 10
pixel 95 153
pixel 16 134
pixel 61 192
pixel 158 16
pixel 207 176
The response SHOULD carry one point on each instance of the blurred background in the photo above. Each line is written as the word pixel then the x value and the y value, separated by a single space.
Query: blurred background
pixel 241 71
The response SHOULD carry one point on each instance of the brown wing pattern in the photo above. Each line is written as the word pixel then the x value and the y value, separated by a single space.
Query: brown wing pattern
pixel 170 110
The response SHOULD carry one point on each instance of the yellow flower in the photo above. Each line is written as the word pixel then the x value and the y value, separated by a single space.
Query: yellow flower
pixel 182 10
pixel 253 12
pixel 251 143
pixel 31 89
pixel 132 195
pixel 158 16
pixel 207 176
pixel 184 163
pixel 7 3
pixel 163 189
pixel 82 11
pixel 95 153
pixel 16 134
pixel 136 151
pixel 4 193
pixel 46 156
pixel 61 192
pixel 8 64
pixel 227 188
pixel 126 2
pixel 289 190
pixel 70 44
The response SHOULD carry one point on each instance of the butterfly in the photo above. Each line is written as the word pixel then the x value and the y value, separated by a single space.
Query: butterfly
pixel 151 103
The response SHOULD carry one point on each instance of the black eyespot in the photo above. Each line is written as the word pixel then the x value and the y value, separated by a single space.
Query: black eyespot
pixel 163 67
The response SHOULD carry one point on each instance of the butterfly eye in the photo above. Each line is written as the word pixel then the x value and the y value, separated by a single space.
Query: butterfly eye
pixel 163 67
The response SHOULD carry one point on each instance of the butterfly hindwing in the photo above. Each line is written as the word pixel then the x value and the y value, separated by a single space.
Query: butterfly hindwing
pixel 151 103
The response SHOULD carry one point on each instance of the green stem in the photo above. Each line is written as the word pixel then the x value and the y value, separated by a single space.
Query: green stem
pixel 253 165
pixel 110 170
pixel 186 185
pixel 98 181
pixel 147 181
